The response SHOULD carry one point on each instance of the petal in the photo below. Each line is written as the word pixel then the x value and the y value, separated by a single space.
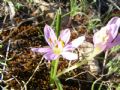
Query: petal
pixel 60 45
pixel 41 50
pixel 50 36
pixel 78 41
pixel 69 55
pixel 51 56
pixel 96 38
pixel 65 36
pixel 112 31
pixel 99 48
pixel 99 35
pixel 114 43
pixel 118 22
pixel 113 20
pixel 69 47
pixel 106 34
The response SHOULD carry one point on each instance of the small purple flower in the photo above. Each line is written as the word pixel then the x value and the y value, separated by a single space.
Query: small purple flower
pixel 107 36
pixel 59 47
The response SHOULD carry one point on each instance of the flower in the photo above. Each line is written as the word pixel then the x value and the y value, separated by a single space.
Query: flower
pixel 59 46
pixel 107 36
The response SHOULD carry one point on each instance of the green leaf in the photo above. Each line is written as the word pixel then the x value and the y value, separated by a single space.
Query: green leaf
pixel 58 84
pixel 118 88
pixel 115 49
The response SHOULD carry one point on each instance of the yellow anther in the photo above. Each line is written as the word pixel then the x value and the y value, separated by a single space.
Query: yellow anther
pixel 62 43
pixel 49 40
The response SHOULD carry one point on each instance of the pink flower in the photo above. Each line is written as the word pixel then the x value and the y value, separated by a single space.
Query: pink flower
pixel 107 36
pixel 59 47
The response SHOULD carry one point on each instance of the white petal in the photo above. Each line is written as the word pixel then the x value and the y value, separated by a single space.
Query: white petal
pixel 118 22
pixel 78 41
pixel 65 35
pixel 69 55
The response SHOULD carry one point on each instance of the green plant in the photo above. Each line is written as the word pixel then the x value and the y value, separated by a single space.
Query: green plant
pixel 113 66
pixel 118 87
pixel 83 5
pixel 93 23
pixel 115 49
pixel 18 6
pixel 73 8
pixel 29 1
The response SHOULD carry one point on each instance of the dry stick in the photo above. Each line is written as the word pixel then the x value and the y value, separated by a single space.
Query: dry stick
pixel 16 28
pixel 99 79
pixel 33 73
pixel 17 81
pixel 25 86
pixel 5 18
pixel 114 4
pixel 92 87
pixel 76 75
pixel 90 81
pixel 72 67
pixel 104 61
pixel 7 52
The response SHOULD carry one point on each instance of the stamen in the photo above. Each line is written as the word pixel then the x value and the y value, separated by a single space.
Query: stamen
pixel 62 43
pixel 49 40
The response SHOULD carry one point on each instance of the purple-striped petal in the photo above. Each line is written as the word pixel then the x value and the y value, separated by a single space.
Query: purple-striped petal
pixel 41 50
pixel 51 56
pixel 112 31
pixel 65 36
pixel 69 55
pixel 50 36
pixel 114 43
pixel 113 20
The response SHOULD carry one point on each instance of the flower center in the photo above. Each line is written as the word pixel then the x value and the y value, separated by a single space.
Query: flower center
pixel 57 50
pixel 97 49
pixel 59 47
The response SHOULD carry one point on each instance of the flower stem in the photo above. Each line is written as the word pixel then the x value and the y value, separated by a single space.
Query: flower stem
pixel 54 64
pixel 53 71
pixel 58 22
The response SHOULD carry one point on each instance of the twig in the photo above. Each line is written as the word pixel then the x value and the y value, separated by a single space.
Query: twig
pixel 17 81
pixel 104 61
pixel 114 4
pixel 76 75
pixel 7 52
pixel 76 65
pixel 33 73
pixel 16 28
